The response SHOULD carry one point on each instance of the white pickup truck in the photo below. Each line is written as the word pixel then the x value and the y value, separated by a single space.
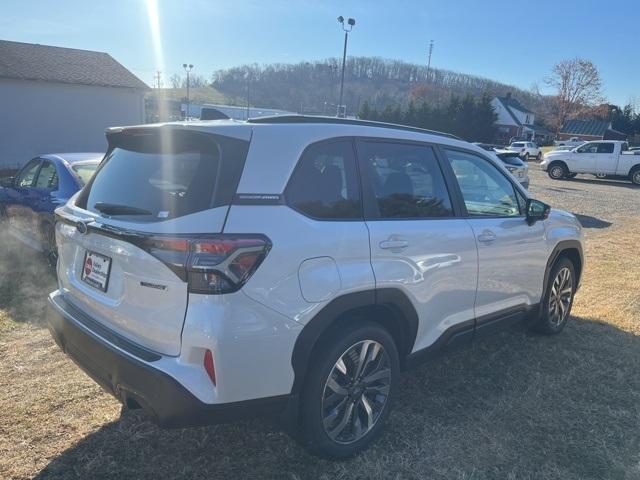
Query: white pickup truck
pixel 604 158
pixel 572 142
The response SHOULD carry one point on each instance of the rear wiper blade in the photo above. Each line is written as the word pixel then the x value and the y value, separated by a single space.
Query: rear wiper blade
pixel 116 209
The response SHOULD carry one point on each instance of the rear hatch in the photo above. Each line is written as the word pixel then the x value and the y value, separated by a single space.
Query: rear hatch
pixel 124 240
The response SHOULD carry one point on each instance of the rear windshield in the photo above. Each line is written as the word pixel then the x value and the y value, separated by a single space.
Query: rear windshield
pixel 157 176
pixel 84 171
pixel 518 145
pixel 511 160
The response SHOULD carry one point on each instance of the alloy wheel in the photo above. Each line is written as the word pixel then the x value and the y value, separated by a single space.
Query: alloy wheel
pixel 356 392
pixel 557 172
pixel 560 297
pixel 635 178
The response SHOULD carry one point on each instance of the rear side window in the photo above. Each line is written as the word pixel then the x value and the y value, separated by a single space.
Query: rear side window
pixel 324 184
pixel 28 174
pixel 605 148
pixel 48 177
pixel 165 174
pixel 406 180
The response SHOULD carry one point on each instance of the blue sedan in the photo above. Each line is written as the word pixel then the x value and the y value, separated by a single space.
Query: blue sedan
pixel 27 201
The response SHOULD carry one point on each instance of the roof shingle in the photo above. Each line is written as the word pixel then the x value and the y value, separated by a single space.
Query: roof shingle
pixel 513 103
pixel 592 126
pixel 29 61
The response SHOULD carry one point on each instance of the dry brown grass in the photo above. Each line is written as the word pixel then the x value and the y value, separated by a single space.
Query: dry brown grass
pixel 514 406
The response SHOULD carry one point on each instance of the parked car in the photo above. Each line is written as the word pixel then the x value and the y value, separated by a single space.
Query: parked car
pixel 526 150
pixel 572 142
pixel 511 160
pixel 293 265
pixel 602 158
pixel 28 200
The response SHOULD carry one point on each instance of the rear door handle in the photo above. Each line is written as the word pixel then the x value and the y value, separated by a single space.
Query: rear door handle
pixel 394 244
pixel 487 236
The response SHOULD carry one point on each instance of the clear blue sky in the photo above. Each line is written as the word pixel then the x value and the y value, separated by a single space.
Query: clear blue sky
pixel 513 41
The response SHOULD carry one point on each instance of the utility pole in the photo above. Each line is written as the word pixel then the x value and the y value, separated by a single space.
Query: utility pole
pixel 187 68
pixel 246 76
pixel 351 22
pixel 429 62
pixel 157 78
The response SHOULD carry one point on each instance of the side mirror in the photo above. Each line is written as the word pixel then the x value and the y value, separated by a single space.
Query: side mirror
pixel 7 181
pixel 537 210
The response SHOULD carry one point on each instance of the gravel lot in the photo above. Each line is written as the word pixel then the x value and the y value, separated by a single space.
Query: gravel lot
pixel 598 203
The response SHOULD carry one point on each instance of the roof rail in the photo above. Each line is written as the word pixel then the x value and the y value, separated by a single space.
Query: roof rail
pixel 284 119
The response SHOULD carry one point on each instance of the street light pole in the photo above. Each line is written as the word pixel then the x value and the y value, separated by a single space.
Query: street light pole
pixel 351 22
pixel 187 68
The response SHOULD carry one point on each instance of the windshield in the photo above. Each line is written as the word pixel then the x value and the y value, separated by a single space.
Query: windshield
pixel 84 171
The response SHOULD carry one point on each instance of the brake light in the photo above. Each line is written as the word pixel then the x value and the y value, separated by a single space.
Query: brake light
pixel 214 264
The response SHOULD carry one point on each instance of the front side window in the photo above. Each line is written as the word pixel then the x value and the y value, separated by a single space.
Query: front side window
pixel 605 148
pixel 26 176
pixel 48 177
pixel 324 184
pixel 588 148
pixel 406 180
pixel 485 189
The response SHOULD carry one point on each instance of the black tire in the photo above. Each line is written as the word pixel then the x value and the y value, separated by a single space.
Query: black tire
pixel 557 171
pixel 337 345
pixel 49 244
pixel 539 156
pixel 634 175
pixel 547 322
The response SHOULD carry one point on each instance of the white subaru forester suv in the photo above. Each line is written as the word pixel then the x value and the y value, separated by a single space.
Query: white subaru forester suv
pixel 293 266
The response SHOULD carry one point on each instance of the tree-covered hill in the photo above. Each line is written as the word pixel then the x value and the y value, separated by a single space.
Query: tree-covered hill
pixel 314 87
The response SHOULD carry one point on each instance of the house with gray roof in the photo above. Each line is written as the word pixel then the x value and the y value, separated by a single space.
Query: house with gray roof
pixel 61 100
pixel 516 121
pixel 589 129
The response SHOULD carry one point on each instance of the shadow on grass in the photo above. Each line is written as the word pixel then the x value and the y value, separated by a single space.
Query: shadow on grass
pixel 25 280
pixel 588 221
pixel 517 405
pixel 614 182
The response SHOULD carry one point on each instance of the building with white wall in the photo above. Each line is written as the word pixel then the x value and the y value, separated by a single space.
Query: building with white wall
pixel 515 120
pixel 56 99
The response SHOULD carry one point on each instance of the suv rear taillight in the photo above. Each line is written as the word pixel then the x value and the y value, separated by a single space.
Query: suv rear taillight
pixel 213 264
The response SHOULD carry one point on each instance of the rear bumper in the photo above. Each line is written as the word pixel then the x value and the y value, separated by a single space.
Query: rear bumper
pixel 122 371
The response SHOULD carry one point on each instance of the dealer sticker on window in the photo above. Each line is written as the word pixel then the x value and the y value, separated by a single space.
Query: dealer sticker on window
pixel 96 270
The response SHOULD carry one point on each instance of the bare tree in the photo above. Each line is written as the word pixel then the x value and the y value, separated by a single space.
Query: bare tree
pixel 196 81
pixel 578 86
pixel 175 80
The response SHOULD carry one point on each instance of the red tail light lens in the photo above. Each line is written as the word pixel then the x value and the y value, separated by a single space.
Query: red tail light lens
pixel 209 366
pixel 211 265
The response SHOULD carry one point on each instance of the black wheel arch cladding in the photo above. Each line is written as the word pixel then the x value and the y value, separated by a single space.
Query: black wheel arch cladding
pixel 401 320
